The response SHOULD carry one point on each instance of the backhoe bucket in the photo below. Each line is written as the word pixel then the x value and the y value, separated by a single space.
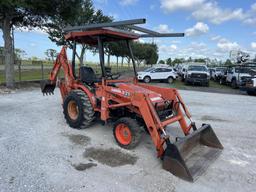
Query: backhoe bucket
pixel 190 156
pixel 47 87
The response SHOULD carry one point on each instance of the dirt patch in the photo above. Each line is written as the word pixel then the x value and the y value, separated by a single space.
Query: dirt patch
pixel 211 118
pixel 79 139
pixel 111 157
pixel 84 166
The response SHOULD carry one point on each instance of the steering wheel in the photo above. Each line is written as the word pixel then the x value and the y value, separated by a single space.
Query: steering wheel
pixel 112 76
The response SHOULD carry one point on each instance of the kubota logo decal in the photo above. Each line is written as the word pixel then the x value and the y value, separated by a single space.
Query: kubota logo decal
pixel 125 93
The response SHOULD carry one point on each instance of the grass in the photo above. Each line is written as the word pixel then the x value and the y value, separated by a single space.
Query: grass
pixel 36 74
pixel 181 85
pixel 27 75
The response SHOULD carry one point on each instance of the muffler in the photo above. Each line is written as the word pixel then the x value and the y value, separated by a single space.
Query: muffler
pixel 190 156
pixel 47 87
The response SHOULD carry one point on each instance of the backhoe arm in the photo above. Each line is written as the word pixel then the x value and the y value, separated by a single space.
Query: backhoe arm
pixel 48 86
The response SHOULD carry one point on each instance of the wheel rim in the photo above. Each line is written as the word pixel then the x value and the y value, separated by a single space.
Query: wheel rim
pixel 170 80
pixel 73 110
pixel 147 79
pixel 123 134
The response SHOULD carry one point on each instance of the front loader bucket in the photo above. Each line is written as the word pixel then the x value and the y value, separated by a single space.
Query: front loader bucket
pixel 47 87
pixel 190 156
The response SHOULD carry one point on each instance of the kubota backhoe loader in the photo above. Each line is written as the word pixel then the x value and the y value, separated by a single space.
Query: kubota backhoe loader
pixel 130 104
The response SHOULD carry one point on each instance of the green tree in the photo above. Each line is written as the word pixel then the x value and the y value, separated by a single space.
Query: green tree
pixel 143 52
pixel 161 62
pixel 27 13
pixel 85 14
pixel 151 53
pixel 200 60
pixel 146 52
pixel 19 53
pixel 34 58
pixel 177 61
pixel 228 62
pixel 169 61
pixel 190 59
pixel 51 54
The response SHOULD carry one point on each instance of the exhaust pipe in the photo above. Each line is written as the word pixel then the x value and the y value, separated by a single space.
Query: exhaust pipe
pixel 189 157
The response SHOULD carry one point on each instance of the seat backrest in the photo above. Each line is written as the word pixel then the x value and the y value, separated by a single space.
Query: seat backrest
pixel 87 75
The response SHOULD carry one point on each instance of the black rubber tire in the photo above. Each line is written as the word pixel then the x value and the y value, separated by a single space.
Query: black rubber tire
pixel 207 84
pixel 182 78
pixel 233 84
pixel 221 81
pixel 186 82
pixel 86 114
pixel 170 80
pixel 134 128
pixel 251 93
pixel 147 79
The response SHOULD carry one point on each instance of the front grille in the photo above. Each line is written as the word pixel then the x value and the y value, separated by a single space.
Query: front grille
pixel 246 79
pixel 199 75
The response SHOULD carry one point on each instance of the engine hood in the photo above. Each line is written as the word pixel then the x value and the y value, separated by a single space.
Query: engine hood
pixel 129 89
pixel 200 72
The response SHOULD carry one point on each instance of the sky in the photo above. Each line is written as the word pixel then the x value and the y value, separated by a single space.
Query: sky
pixel 212 28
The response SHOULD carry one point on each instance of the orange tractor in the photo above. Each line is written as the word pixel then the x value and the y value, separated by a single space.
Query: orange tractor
pixel 131 105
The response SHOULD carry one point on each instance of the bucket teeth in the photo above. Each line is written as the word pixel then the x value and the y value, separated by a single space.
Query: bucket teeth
pixel 190 156
pixel 47 87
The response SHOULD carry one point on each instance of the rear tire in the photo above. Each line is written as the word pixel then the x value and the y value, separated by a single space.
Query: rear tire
pixel 127 132
pixel 78 110
pixel 252 93
pixel 147 79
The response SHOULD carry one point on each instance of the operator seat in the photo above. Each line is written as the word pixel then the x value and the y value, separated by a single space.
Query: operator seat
pixel 88 76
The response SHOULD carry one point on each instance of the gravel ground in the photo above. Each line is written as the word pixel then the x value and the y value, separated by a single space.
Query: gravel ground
pixel 39 152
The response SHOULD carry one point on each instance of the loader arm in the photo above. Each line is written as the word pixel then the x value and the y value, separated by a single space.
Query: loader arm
pixel 61 61
pixel 155 126
pixel 192 153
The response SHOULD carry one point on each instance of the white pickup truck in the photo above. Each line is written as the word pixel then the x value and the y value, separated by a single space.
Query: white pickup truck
pixel 197 74
pixel 249 86
pixel 236 75
pixel 216 73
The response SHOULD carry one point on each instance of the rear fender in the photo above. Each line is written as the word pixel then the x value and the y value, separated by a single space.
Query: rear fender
pixel 89 94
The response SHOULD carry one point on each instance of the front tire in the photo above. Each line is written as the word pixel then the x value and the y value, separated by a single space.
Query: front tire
pixel 78 110
pixel 127 132
pixel 147 79
pixel 221 81
pixel 170 80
